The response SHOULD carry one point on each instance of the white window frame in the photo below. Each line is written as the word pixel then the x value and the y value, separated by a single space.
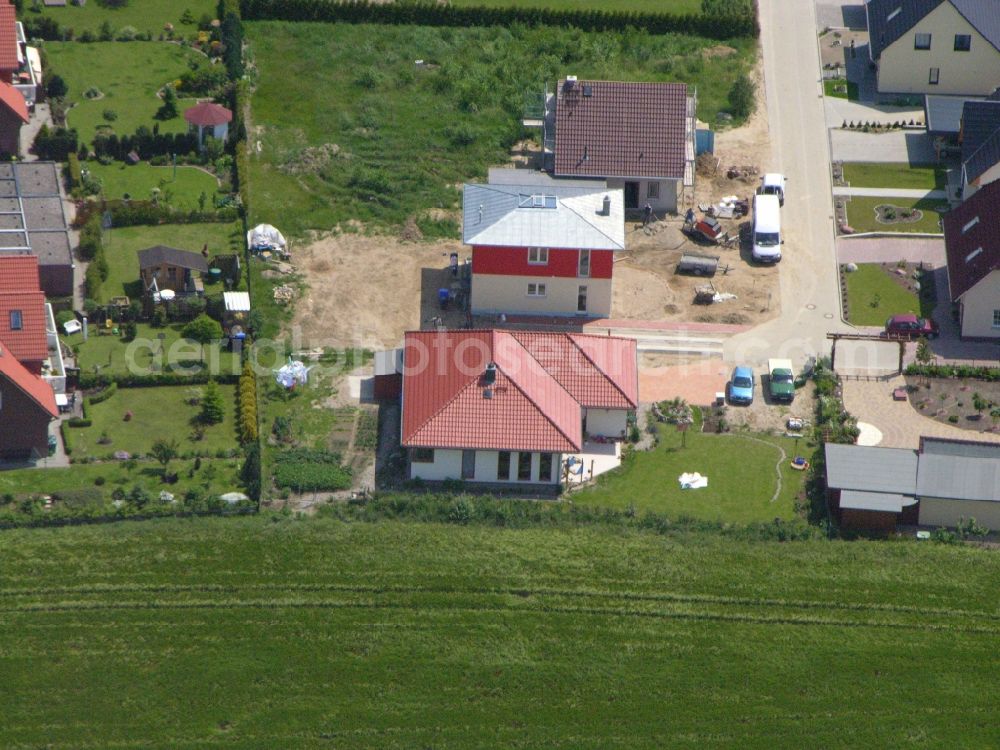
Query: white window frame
pixel 996 318
pixel 538 256
pixel 916 41
pixel 653 190
pixel 583 264
pixel 536 289
pixel 934 77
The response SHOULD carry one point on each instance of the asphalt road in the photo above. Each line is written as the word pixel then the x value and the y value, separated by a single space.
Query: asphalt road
pixel 809 286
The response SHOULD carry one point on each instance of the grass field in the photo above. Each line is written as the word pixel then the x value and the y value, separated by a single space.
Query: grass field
pixel 861 215
pixel 643 6
pixel 906 176
pixel 129 90
pixel 830 87
pixel 181 192
pixel 143 15
pixel 269 632
pixel 741 471
pixel 870 283
pixel 157 413
pixel 113 355
pixel 121 247
pixel 408 135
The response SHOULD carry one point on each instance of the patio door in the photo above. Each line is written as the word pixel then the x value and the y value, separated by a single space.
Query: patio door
pixel 631 195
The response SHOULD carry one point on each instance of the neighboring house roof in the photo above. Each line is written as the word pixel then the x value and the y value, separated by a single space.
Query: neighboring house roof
pixel 171 256
pixel 543 216
pixel 617 129
pixel 535 402
pixel 33 386
pixel 29 343
pixel 972 239
pixel 879 470
pixel 18 273
pixel 958 477
pixel 888 20
pixel 980 137
pixel 208 114
pixel 8 37
pixel 12 99
pixel 944 112
pixel 949 447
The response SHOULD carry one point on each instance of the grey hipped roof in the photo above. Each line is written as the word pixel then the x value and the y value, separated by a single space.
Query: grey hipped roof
pixel 495 215
pixel 855 467
pixel 885 26
pixel 883 501
pixel 171 256
pixel 958 477
pixel 948 447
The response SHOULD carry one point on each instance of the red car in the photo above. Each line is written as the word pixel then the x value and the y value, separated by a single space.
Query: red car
pixel 910 326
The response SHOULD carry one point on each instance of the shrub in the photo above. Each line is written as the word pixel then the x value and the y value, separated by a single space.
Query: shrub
pixel 212 408
pixel 741 96
pixel 104 395
pixel 55 144
pixel 202 329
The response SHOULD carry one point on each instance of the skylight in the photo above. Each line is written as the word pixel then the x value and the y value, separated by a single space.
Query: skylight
pixel 536 201
pixel 973 254
pixel 969 225
pixel 894 14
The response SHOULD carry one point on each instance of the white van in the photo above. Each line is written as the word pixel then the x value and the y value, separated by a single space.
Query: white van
pixel 766 229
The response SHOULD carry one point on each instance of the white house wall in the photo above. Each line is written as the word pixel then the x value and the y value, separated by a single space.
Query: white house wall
pixel 493 294
pixel 607 422
pixel 978 305
pixel 937 512
pixel 447 464
pixel 666 203
pixel 905 70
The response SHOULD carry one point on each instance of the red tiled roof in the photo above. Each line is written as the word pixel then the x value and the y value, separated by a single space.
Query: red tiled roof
pixel 621 129
pixel 29 344
pixel 37 389
pixel 19 273
pixel 11 98
pixel 8 37
pixel 543 381
pixel 967 264
pixel 208 114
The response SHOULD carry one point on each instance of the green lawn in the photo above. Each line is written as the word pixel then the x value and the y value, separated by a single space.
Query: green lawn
pixel 111 355
pixel 214 477
pixel 643 6
pixel 271 632
pixel 143 15
pixel 129 89
pixel 830 89
pixel 181 191
pixel 157 413
pixel 407 135
pixel 741 478
pixel 121 247
pixel 904 176
pixel 861 215
pixel 870 284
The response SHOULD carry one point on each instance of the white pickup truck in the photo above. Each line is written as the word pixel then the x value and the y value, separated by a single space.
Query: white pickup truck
pixel 773 183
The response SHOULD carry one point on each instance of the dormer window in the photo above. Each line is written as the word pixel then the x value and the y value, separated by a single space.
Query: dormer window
pixel 536 201
pixel 970 224
pixel 16 321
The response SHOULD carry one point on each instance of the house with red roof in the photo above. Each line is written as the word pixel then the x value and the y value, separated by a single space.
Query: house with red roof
pixel 972 246
pixel 209 119
pixel 27 406
pixel 20 65
pixel 639 137
pixel 27 324
pixel 13 114
pixel 515 407
pixel 542 247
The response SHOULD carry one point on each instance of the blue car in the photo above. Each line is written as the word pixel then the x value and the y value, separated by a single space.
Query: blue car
pixel 741 386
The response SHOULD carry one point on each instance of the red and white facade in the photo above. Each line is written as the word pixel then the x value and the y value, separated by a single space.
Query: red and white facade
pixel 543 249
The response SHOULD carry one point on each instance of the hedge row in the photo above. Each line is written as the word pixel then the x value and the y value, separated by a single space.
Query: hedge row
pixel 435 14
pixel 102 395
pixel 90 380
pixel 147 213
pixel 248 404
pixel 991 374
pixel 145 143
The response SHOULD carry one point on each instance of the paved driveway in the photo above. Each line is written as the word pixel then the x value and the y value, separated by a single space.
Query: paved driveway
pixel 848 14
pixel 891 249
pixel 915 147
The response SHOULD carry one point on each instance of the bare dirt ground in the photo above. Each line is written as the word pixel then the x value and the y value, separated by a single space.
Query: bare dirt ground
pixel 763 416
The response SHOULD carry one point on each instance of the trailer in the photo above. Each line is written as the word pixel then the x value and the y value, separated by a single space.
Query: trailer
pixel 698 264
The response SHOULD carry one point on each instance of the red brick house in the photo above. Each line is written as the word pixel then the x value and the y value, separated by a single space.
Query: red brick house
pixel 27 405
pixel 513 407
pixel 543 248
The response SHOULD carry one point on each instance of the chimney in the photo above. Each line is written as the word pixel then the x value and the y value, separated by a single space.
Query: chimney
pixel 606 206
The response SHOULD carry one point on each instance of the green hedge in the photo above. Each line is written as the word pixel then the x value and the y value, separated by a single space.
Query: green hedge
pixel 991 374
pixel 78 422
pixel 435 14
pixel 74 178
pixel 90 381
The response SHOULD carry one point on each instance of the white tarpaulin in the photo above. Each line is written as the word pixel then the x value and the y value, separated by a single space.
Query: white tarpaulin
pixel 293 374
pixel 692 481
pixel 265 237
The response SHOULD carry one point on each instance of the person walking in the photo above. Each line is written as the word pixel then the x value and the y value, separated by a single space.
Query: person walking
pixel 647 215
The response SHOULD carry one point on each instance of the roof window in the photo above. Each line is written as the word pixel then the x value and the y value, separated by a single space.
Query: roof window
pixel 970 224
pixel 973 254
pixel 894 14
pixel 16 322
pixel 536 201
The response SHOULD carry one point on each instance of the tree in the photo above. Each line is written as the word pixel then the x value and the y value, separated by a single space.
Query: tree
pixel 741 96
pixel 56 87
pixel 979 403
pixel 924 354
pixel 203 329
pixel 164 451
pixel 168 110
pixel 995 416
pixel 212 409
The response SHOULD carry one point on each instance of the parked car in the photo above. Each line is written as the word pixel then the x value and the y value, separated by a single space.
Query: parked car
pixel 741 386
pixel 781 380
pixel 773 184
pixel 909 327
